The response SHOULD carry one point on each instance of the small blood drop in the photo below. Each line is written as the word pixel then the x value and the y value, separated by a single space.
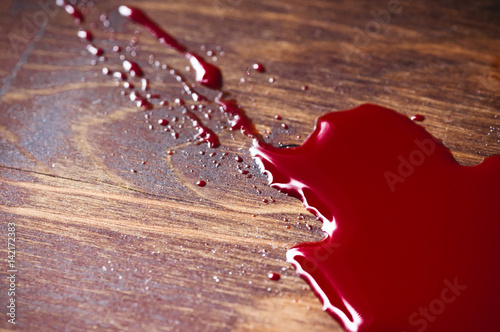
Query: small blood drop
pixel 274 276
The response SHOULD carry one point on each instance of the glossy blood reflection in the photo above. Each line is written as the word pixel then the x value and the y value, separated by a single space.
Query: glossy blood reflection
pixel 411 236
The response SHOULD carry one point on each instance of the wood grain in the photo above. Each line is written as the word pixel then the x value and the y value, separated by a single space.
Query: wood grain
pixel 101 247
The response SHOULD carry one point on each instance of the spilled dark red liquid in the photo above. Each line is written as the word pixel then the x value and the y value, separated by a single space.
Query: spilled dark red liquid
pixel 86 35
pixel 163 122
pixel 204 133
pixel 133 68
pixel 240 120
pixel 206 73
pixel 71 10
pixel 94 50
pixel 418 117
pixel 411 236
pixel 259 67
pixel 140 100
pixel 274 276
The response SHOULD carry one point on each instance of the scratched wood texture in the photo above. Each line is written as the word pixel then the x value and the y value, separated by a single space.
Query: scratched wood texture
pixel 101 247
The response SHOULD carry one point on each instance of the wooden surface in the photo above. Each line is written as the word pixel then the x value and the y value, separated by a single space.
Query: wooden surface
pixel 101 247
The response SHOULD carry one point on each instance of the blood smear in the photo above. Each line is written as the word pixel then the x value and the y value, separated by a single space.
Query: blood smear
pixel 411 237
pixel 206 73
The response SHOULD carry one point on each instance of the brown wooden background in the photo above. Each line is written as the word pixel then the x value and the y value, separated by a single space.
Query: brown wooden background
pixel 100 247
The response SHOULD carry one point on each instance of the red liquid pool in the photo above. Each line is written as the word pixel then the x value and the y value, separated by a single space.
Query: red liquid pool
pixel 411 237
